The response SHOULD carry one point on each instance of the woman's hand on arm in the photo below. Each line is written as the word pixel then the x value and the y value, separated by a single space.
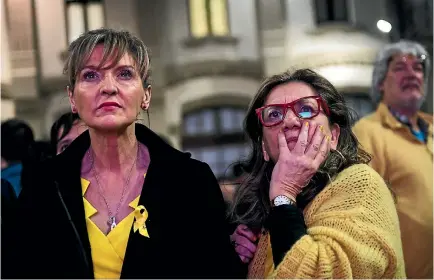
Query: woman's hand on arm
pixel 244 241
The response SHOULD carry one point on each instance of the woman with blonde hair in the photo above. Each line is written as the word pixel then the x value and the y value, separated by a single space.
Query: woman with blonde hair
pixel 118 202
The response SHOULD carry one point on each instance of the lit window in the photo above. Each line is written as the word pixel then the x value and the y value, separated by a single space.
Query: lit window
pixel 82 16
pixel 208 18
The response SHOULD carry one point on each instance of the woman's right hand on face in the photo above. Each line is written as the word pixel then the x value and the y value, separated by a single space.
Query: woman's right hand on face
pixel 295 168
pixel 244 241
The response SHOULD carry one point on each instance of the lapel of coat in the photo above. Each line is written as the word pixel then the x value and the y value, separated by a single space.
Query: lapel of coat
pixel 67 178
pixel 142 253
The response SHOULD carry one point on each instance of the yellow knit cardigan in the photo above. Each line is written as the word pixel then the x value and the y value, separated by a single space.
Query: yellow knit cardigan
pixel 352 232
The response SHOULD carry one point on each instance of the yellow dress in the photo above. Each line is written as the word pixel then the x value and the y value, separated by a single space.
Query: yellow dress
pixel 108 251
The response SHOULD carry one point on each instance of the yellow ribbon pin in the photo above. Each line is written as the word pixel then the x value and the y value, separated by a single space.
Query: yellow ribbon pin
pixel 141 215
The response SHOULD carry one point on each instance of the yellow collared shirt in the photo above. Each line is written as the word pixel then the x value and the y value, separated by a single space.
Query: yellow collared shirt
pixel 108 251
pixel 406 164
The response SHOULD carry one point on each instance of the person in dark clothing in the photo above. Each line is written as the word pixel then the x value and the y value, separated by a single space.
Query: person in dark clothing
pixel 118 202
pixel 17 142
pixel 42 150
pixel 8 192
pixel 8 199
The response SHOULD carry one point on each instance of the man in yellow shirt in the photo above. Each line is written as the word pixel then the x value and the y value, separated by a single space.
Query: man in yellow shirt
pixel 400 139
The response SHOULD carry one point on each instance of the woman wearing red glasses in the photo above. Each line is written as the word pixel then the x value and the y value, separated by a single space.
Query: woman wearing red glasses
pixel 311 207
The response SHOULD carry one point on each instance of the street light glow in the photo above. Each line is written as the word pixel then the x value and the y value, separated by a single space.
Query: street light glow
pixel 384 26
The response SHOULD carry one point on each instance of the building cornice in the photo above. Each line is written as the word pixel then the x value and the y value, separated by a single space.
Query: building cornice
pixel 365 57
pixel 49 86
pixel 241 68
pixel 222 99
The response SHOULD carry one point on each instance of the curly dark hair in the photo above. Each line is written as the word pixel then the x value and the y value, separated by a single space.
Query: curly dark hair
pixel 251 204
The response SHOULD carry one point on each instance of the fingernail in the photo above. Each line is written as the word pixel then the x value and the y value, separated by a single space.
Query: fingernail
pixel 321 128
pixel 328 138
pixel 306 124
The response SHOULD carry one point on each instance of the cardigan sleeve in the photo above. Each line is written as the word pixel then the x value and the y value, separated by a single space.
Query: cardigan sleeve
pixel 353 232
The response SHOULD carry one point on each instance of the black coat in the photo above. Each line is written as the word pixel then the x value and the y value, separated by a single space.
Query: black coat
pixel 189 235
pixel 8 200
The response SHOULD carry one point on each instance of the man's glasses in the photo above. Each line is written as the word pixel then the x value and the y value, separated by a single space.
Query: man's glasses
pixel 304 108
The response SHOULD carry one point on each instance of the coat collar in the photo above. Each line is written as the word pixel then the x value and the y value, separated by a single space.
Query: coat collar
pixel 389 119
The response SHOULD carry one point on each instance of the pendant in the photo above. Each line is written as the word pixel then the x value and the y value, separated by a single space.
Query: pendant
pixel 112 222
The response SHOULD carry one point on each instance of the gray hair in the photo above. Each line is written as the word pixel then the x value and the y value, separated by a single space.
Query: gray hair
pixel 116 45
pixel 382 63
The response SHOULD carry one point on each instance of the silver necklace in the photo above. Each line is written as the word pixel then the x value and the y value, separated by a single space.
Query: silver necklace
pixel 112 216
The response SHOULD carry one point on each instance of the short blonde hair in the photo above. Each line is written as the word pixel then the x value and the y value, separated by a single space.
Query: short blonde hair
pixel 116 45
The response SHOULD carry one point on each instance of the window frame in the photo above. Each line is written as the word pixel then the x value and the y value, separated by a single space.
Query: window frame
pixel 331 12
pixel 85 15
pixel 216 139
pixel 360 96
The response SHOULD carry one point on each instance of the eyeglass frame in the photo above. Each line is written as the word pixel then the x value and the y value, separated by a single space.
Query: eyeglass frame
pixel 319 100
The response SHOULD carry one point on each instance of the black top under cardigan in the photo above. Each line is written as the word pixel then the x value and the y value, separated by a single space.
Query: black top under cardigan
pixel 188 232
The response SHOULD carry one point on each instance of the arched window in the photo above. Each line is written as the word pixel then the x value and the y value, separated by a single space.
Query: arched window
pixel 215 136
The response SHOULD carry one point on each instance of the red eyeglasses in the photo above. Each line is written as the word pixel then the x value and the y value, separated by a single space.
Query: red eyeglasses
pixel 304 108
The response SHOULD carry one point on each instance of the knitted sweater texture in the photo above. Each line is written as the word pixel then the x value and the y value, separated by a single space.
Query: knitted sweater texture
pixel 353 232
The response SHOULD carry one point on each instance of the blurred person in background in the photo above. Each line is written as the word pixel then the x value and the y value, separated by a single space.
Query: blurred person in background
pixel 400 138
pixel 118 183
pixel 8 200
pixel 311 207
pixel 17 142
pixel 43 150
pixel 65 130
